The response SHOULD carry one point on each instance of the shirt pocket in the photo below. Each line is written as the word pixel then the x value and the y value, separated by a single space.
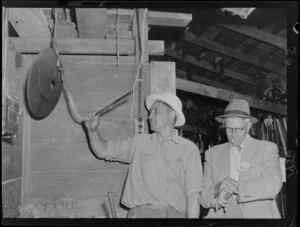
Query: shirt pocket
pixel 250 174
pixel 173 167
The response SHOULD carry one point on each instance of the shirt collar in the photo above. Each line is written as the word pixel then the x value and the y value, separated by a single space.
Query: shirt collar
pixel 174 136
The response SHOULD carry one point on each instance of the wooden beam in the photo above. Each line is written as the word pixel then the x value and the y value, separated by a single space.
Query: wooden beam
pixel 85 46
pixel 257 34
pixel 203 64
pixel 29 22
pixel 91 23
pixel 169 19
pixel 112 34
pixel 98 60
pixel 203 80
pixel 154 17
pixel 223 94
pixel 250 59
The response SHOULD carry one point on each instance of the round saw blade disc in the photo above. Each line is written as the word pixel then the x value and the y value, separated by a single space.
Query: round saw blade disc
pixel 44 85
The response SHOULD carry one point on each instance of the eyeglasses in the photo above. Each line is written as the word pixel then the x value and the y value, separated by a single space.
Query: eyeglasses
pixel 154 112
pixel 236 130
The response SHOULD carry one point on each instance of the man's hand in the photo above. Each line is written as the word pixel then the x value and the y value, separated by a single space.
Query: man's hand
pixel 92 121
pixel 223 200
pixel 228 185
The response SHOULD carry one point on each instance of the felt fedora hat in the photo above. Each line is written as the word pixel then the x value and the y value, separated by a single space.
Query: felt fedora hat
pixel 237 108
pixel 170 99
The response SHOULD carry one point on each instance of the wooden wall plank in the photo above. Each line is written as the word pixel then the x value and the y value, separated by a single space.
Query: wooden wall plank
pixel 11 161
pixel 11 198
pixel 86 185
pixel 67 157
pixel 11 80
pixel 76 207
pixel 222 94
pixel 97 60
pixel 60 127
pixel 112 34
pixel 85 46
pixel 91 22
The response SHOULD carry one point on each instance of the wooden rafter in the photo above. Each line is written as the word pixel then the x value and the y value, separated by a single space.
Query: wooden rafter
pixel 257 34
pixel 223 94
pixel 203 64
pixel 250 59
pixel 85 46
pixel 204 80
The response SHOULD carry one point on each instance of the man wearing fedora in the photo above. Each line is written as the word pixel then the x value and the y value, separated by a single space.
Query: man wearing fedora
pixel 165 172
pixel 242 177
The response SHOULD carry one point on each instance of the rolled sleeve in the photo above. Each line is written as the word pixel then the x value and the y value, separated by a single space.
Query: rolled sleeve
pixel 119 150
pixel 193 171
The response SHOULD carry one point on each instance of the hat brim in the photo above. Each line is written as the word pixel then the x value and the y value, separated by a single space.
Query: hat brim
pixel 180 118
pixel 220 119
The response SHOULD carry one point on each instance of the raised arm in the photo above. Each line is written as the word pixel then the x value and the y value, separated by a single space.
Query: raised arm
pixel 121 151
pixel 98 145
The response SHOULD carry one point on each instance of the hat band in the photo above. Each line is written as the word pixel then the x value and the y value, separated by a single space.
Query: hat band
pixel 236 112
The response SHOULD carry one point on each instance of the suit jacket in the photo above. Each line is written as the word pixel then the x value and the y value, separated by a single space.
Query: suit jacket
pixel 259 183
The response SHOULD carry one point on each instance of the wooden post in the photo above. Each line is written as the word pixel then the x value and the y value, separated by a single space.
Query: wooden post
pixel 141 90
pixel 162 77
pixel 4 42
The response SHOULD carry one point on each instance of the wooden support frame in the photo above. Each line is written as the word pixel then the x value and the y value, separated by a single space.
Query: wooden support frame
pixel 85 46
pixel 250 59
pixel 227 72
pixel 223 94
pixel 257 34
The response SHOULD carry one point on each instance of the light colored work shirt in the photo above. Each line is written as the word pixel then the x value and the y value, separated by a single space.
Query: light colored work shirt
pixel 234 210
pixel 235 159
pixel 160 173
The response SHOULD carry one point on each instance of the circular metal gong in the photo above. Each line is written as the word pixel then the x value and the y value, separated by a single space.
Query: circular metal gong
pixel 44 85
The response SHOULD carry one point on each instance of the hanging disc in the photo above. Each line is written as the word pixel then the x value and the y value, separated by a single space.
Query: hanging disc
pixel 44 85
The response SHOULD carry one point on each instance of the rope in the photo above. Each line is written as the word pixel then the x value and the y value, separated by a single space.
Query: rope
pixel 141 59
pixel 70 103
pixel 117 36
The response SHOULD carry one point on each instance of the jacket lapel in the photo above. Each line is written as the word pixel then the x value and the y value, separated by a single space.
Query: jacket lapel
pixel 248 150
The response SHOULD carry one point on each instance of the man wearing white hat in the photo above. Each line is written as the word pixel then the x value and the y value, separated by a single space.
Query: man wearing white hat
pixel 165 173
pixel 241 177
